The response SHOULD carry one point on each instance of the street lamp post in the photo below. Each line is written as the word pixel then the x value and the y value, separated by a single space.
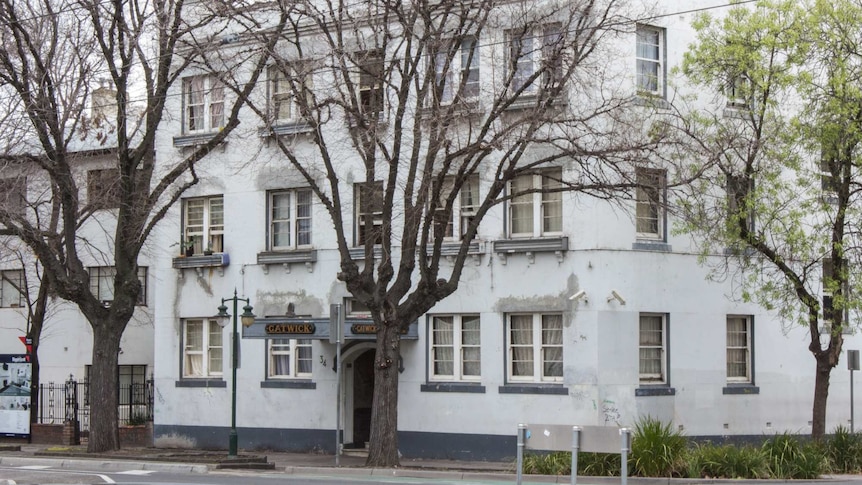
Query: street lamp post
pixel 247 319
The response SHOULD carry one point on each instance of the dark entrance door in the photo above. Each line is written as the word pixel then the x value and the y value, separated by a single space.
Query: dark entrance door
pixel 363 392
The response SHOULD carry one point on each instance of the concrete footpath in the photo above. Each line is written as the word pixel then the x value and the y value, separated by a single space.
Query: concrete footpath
pixel 201 461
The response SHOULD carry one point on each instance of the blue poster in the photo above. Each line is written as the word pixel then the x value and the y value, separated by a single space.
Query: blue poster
pixel 16 373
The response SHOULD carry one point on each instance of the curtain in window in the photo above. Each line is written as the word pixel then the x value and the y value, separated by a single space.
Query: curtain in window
pixel 651 343
pixel 470 67
pixel 552 346
pixel 280 220
pixel 303 351
pixel 522 52
pixel 442 341
pixel 279 364
pixel 193 364
pixel 648 51
pixel 194 88
pixel 303 217
pixel 521 336
pixel 737 347
pixel 216 104
pixel 215 349
pixel 470 346
pixel 522 205
pixel 552 204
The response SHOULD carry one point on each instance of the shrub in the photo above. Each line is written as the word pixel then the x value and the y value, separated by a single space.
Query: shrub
pixel 599 464
pixel 557 463
pixel 727 461
pixel 788 458
pixel 657 449
pixel 844 451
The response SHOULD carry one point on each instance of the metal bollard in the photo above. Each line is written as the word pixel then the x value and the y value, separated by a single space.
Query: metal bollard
pixel 626 435
pixel 576 439
pixel 522 431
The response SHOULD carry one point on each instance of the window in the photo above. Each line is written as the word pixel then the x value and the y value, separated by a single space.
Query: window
pixel 11 288
pixel 650 203
pixel 203 223
pixel 653 354
pixel 103 188
pixel 461 76
pixel 650 60
pixel 13 196
pixel 830 284
pixel 535 348
pixel 538 211
pixel 202 351
pixel 289 358
pixel 464 207
pixel 287 86
pixel 371 74
pixel 535 50
pixel 738 92
pixel 455 348
pixel 739 188
pixel 356 308
pixel 828 182
pixel 203 98
pixel 102 283
pixel 739 349
pixel 369 217
pixel 289 219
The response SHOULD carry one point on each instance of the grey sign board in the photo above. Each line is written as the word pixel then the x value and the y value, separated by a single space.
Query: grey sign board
pixel 558 437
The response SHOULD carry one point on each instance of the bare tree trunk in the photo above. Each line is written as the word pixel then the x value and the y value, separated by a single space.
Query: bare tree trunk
pixel 104 433
pixel 383 444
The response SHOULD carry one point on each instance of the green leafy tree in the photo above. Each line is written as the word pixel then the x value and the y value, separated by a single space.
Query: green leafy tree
pixel 777 143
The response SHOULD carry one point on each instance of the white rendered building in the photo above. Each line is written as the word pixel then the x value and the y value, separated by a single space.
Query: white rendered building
pixel 617 319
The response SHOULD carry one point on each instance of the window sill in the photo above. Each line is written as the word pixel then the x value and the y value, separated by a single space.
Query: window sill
pixel 358 253
pixel 287 384
pixel 651 100
pixel 655 391
pixel 732 389
pixel 284 128
pixel 200 382
pixel 556 389
pixel 195 139
pixel 737 112
pixel 453 387
pixel 529 101
pixel 528 246
pixel 197 263
pixel 287 258
pixel 659 246
pixel 202 261
pixel 459 107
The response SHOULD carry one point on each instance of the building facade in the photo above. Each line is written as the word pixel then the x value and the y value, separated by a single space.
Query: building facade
pixel 570 309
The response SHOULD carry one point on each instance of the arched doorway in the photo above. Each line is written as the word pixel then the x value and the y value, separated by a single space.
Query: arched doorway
pixel 363 395
pixel 358 393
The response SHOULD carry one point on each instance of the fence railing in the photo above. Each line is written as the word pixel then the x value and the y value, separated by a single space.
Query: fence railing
pixel 59 402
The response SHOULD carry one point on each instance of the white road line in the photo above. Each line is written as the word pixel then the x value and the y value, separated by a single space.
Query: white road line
pixel 137 472
pixel 10 482
pixel 34 467
pixel 106 478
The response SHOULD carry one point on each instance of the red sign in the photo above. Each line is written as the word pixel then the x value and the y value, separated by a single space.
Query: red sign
pixel 28 342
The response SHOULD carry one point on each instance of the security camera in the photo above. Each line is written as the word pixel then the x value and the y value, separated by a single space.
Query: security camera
pixel 580 294
pixel 616 296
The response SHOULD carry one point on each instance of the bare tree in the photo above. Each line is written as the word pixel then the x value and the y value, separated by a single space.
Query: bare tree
pixel 399 109
pixel 54 53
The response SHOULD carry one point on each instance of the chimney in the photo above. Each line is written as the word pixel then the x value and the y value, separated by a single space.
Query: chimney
pixel 104 103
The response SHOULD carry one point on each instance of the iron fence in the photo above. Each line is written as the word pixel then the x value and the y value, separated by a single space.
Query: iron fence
pixel 71 399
